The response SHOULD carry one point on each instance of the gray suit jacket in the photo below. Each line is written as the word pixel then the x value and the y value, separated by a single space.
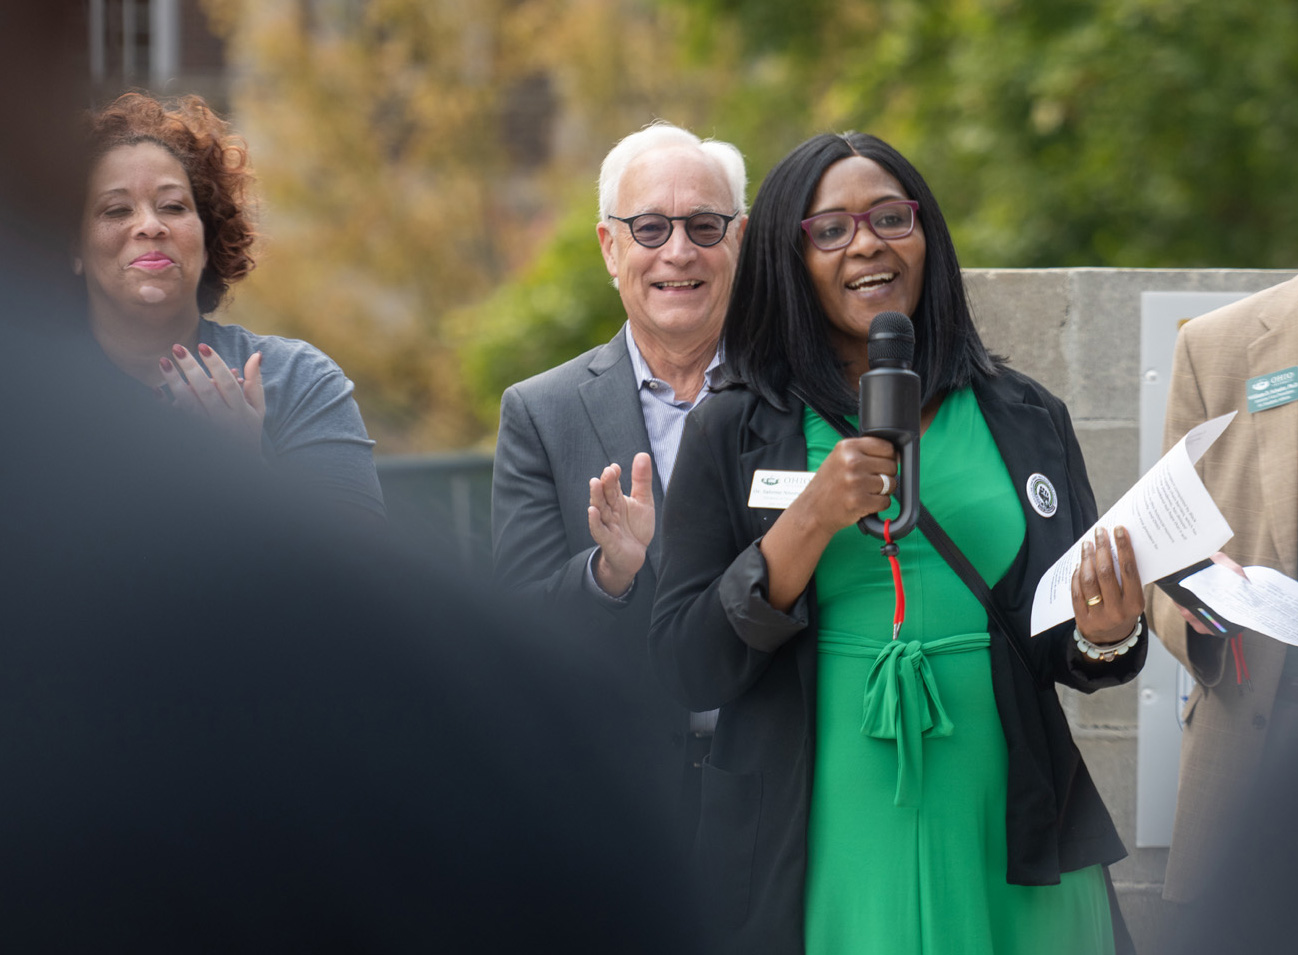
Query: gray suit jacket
pixel 1252 474
pixel 558 430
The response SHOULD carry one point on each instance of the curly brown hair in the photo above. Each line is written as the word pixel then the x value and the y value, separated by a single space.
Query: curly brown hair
pixel 216 162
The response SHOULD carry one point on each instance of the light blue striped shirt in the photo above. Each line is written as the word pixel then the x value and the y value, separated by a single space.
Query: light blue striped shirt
pixel 664 416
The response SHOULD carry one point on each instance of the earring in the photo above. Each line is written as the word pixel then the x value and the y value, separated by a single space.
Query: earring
pixel 76 265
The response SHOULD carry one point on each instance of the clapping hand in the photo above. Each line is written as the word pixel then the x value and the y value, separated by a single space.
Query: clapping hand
pixel 234 403
pixel 622 525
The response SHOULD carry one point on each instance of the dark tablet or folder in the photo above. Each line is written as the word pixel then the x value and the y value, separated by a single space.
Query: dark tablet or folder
pixel 1172 586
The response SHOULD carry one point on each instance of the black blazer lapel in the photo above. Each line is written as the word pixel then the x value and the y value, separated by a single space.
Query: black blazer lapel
pixel 1009 408
pixel 775 442
pixel 1031 446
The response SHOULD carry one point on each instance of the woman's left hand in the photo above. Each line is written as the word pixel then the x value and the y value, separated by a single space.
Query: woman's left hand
pixel 1107 610
pixel 234 404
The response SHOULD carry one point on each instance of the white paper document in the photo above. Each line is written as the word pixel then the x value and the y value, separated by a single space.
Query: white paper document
pixel 1267 601
pixel 1172 520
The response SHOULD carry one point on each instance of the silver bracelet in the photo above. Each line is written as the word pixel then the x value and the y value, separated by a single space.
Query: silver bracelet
pixel 1108 652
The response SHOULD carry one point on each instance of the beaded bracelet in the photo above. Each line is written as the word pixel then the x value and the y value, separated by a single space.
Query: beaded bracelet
pixel 1108 652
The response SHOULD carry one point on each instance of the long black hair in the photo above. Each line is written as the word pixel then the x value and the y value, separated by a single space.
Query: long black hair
pixel 776 333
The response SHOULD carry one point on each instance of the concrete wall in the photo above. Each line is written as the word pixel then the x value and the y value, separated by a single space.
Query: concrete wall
pixel 1077 331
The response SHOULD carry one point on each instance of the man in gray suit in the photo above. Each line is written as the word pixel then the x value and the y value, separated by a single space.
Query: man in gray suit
pixel 570 532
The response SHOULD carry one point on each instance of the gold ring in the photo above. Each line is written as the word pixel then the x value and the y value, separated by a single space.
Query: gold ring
pixel 1092 601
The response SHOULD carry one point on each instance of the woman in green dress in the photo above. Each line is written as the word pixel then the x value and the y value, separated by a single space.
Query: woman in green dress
pixel 872 790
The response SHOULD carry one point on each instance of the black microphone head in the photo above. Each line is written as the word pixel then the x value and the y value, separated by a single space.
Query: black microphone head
pixel 891 343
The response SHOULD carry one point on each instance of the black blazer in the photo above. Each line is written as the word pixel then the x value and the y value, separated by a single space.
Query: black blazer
pixel 717 642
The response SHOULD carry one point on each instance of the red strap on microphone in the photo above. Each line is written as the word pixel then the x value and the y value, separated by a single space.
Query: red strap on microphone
pixel 889 550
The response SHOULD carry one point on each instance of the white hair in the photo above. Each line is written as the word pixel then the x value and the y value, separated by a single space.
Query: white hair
pixel 661 134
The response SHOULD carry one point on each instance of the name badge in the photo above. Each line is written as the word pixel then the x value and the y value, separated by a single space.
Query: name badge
pixel 1270 391
pixel 778 489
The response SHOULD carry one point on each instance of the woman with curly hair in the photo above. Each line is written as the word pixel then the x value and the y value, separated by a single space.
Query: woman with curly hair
pixel 165 231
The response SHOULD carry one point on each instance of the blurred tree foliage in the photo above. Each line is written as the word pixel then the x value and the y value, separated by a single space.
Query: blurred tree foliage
pixel 1127 133
pixel 413 155
pixel 428 166
pixel 561 304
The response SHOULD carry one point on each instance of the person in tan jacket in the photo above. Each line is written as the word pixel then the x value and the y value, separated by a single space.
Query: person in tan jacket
pixel 1244 705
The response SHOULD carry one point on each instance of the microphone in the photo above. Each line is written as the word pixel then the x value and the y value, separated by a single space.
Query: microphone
pixel 890 409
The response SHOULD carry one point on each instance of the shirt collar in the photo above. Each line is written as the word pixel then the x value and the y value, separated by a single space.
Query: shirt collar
pixel 711 374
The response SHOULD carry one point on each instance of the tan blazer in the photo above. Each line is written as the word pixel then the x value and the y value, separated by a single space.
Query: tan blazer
pixel 1252 474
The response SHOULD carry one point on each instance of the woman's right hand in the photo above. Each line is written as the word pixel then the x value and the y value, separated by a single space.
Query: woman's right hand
pixel 848 486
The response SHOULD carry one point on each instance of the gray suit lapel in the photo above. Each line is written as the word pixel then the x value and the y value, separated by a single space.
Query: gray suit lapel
pixel 611 397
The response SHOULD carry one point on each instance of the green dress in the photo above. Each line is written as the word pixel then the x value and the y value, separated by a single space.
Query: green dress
pixel 906 841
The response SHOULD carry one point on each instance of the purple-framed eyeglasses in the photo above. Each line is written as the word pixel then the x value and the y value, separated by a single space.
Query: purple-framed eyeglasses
pixel 836 230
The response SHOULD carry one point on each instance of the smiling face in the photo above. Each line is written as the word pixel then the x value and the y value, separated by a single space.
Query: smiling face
pixel 676 293
pixel 870 275
pixel 142 251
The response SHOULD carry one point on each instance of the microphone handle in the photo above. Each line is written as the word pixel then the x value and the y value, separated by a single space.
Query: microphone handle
pixel 890 410
pixel 907 495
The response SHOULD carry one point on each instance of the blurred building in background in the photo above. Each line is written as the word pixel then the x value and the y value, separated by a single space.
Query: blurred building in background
pixel 163 45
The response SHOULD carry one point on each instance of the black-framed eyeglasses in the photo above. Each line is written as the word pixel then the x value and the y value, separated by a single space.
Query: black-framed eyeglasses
pixel 652 229
pixel 836 230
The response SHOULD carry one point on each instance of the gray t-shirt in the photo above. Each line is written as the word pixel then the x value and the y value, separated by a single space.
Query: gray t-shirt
pixel 313 428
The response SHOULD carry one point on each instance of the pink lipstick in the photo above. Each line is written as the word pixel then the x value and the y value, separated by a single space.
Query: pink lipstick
pixel 152 261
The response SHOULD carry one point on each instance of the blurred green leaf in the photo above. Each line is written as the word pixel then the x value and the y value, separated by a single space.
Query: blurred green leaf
pixel 563 304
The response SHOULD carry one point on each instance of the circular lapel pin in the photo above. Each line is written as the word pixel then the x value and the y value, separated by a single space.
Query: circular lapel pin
pixel 1041 493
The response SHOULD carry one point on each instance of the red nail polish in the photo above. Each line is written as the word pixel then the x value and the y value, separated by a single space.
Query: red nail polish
pixel 179 351
pixel 204 350
pixel 165 364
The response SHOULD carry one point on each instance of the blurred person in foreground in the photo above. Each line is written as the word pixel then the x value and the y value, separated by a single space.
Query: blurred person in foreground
pixel 1245 903
pixel 166 230
pixel 1241 720
pixel 361 758
pixel 951 810
pixel 572 530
